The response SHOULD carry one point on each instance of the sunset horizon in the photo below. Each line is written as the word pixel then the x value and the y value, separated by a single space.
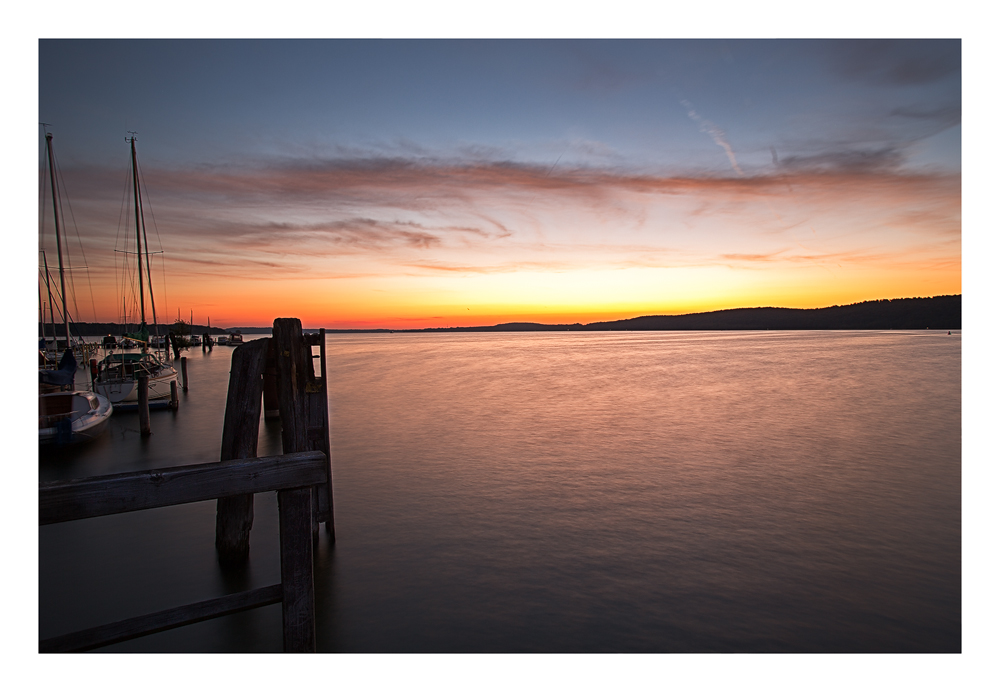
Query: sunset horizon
pixel 452 183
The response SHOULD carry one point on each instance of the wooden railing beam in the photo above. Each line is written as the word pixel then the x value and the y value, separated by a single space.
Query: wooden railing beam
pixel 116 632
pixel 60 501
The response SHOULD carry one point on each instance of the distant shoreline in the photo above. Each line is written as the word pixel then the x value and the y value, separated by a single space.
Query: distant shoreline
pixel 939 312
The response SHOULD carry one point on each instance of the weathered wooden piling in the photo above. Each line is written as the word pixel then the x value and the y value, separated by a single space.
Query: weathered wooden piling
pixel 174 400
pixel 280 371
pixel 143 397
pixel 302 402
pixel 271 385
pixel 234 515
pixel 298 595
pixel 184 372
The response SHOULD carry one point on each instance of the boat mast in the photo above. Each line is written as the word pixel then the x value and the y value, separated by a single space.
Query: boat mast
pixel 52 314
pixel 55 215
pixel 149 267
pixel 138 233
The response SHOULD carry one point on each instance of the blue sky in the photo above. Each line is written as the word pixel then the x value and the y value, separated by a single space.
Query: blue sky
pixel 607 103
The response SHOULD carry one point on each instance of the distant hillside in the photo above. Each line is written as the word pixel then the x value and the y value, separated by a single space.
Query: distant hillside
pixel 941 312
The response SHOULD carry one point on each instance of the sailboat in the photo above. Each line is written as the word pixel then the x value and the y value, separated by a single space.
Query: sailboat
pixel 65 414
pixel 118 374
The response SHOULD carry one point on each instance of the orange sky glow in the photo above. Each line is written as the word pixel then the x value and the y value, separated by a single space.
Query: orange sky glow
pixel 448 184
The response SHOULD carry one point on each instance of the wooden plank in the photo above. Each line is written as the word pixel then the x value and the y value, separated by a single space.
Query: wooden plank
pixel 124 630
pixel 128 492
pixel 298 598
pixel 234 515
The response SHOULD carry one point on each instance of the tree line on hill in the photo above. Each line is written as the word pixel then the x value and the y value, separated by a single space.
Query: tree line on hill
pixel 939 312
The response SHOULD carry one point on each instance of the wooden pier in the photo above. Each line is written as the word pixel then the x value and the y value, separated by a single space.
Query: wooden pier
pixel 302 477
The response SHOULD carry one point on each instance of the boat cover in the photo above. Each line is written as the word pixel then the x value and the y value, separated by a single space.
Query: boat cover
pixel 64 375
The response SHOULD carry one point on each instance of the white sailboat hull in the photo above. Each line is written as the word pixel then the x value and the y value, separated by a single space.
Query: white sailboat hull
pixel 127 390
pixel 72 417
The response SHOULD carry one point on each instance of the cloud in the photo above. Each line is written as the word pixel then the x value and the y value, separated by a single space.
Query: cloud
pixel 946 115
pixel 847 161
pixel 375 216
pixel 715 132
pixel 899 62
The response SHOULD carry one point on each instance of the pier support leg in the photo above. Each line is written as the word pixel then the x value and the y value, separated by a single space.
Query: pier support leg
pixel 271 386
pixel 302 402
pixel 298 597
pixel 143 385
pixel 234 515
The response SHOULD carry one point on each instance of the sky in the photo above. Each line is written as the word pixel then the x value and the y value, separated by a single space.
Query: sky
pixel 423 183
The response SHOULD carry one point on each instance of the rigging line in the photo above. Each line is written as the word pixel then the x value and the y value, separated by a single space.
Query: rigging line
pixel 44 187
pixel 122 210
pixel 83 254
pixel 48 290
pixel 149 274
pixel 61 182
pixel 68 317
pixel 159 241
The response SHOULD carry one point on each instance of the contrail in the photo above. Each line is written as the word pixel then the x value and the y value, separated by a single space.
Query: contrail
pixel 717 134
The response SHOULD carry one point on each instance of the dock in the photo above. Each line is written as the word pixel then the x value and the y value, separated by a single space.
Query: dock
pixel 275 373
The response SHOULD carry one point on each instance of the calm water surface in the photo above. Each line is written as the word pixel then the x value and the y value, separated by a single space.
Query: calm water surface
pixel 621 491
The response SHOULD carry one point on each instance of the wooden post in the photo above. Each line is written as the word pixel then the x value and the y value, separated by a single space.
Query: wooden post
pixel 292 363
pixel 174 401
pixel 318 411
pixel 271 385
pixel 234 515
pixel 143 385
pixel 184 371
pixel 297 598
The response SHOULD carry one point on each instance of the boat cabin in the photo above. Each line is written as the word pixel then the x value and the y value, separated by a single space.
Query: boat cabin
pixel 127 366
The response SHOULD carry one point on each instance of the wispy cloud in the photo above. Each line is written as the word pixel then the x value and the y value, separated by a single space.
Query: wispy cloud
pixel 715 132
pixel 344 217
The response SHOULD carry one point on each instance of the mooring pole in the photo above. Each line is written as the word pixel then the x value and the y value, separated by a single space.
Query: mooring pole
pixel 184 371
pixel 143 385
pixel 174 401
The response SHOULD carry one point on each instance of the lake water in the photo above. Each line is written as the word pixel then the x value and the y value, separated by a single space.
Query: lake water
pixel 570 492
